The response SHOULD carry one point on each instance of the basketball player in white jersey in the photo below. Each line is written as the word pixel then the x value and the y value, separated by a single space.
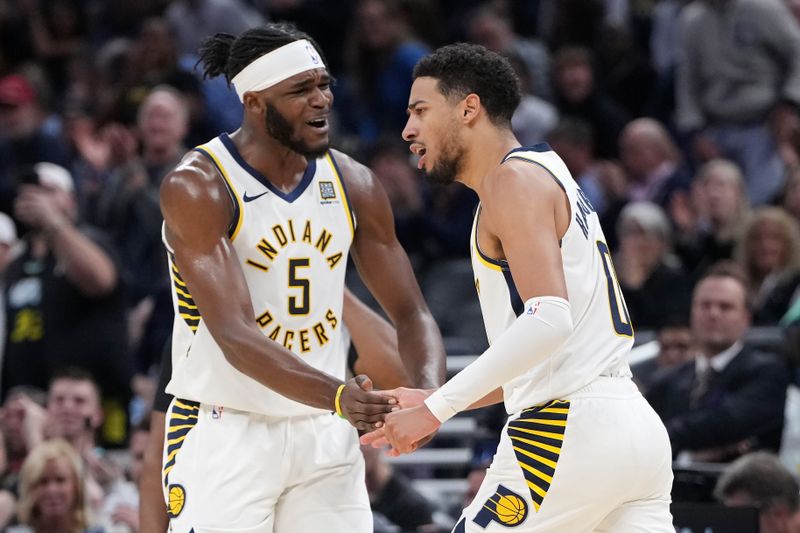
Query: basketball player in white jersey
pixel 582 450
pixel 258 226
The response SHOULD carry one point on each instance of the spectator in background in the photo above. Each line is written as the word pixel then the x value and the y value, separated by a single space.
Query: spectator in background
pixel 674 338
pixel 769 251
pixel 121 505
pixel 794 8
pixel 738 85
pixel 603 182
pixel 535 117
pixel 393 495
pixel 663 43
pixel 490 26
pixel 64 302
pixel 730 399
pixel 760 480
pixel 22 426
pixel 709 223
pixel 152 59
pixel 577 95
pixel 791 196
pixel 128 208
pixel 52 491
pixel 57 29
pixel 390 161
pixel 24 139
pixel 431 221
pixel 8 250
pixel 74 413
pixel 653 163
pixel 647 271
pixel 193 20
pixel 382 52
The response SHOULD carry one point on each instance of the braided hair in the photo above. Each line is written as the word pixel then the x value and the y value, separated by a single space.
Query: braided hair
pixel 226 54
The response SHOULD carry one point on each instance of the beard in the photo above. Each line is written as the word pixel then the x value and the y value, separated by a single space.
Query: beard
pixel 449 165
pixel 281 130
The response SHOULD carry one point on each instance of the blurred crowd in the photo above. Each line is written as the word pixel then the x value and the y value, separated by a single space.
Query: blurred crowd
pixel 679 119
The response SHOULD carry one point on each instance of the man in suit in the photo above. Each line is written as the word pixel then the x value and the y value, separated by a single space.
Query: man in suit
pixel 730 398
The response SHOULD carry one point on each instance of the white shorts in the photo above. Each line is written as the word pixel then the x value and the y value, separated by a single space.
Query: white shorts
pixel 598 462
pixel 233 471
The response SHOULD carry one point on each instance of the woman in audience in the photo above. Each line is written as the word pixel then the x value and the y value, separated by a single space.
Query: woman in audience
pixel 707 226
pixel 648 272
pixel 52 491
pixel 769 250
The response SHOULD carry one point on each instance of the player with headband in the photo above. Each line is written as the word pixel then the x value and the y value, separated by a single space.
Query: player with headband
pixel 258 227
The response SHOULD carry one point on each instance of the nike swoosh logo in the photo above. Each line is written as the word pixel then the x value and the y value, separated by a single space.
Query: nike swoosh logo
pixel 251 198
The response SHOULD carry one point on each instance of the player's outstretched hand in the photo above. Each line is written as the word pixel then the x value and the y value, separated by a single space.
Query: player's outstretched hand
pixel 362 407
pixel 408 397
pixel 404 430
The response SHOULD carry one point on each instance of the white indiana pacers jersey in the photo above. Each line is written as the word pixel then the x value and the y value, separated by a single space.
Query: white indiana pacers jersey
pixel 292 249
pixel 602 334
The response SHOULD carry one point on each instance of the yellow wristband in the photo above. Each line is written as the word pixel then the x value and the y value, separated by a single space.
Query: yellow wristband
pixel 337 402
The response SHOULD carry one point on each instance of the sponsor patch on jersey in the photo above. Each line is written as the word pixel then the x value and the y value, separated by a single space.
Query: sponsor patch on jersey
pixel 327 192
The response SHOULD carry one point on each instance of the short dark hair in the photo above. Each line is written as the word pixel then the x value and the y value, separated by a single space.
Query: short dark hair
pixel 226 54
pixel 762 476
pixel 729 269
pixel 74 373
pixel 462 69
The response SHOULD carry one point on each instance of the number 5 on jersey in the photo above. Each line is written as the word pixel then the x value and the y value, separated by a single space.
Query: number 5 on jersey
pixel 299 305
pixel 619 313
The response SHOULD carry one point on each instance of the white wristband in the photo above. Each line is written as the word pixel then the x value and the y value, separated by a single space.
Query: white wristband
pixel 439 407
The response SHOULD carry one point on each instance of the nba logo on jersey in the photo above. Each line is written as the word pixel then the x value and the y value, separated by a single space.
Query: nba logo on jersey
pixel 216 412
pixel 327 192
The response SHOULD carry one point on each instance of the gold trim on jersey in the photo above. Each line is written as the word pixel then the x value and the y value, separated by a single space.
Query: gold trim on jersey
pixel 343 192
pixel 537 436
pixel 485 259
pixel 182 418
pixel 187 309
pixel 238 208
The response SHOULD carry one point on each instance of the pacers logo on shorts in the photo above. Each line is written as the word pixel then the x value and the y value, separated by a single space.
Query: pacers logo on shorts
pixel 176 497
pixel 503 507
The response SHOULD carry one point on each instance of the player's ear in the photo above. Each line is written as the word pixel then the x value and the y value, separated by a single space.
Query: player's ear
pixel 253 103
pixel 470 107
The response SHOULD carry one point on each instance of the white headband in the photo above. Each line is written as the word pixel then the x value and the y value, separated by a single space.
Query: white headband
pixel 276 66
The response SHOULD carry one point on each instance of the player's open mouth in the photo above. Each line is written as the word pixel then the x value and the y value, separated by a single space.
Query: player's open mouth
pixel 421 153
pixel 319 123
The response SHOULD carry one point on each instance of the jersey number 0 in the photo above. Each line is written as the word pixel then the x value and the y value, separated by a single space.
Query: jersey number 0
pixel 619 313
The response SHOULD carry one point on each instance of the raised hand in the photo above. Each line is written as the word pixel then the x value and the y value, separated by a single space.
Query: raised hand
pixel 408 397
pixel 362 407
pixel 406 429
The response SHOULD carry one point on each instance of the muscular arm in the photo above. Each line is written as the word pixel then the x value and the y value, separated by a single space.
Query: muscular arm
pixel 375 341
pixel 197 211
pixel 384 267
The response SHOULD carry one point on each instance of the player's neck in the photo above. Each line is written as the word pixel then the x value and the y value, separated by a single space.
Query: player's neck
pixel 484 152
pixel 280 164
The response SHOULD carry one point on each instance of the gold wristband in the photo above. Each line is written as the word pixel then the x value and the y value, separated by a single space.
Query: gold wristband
pixel 338 401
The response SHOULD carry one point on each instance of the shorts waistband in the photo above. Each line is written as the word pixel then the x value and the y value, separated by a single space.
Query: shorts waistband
pixel 608 387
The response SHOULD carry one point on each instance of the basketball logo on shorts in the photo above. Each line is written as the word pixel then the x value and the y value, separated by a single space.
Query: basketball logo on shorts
pixel 176 498
pixel 503 507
